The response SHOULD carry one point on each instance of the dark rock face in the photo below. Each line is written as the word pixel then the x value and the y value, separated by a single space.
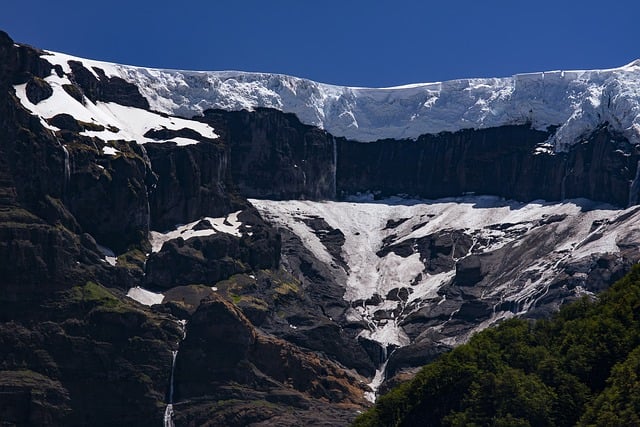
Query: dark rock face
pixel 40 258
pixel 219 337
pixel 469 271
pixel 485 162
pixel 106 89
pixel 320 321
pixel 416 355
pixel 500 161
pixel 80 357
pixel 166 134
pixel 20 63
pixel 275 156
pixel 197 260
pixel 210 259
pixel 67 122
pixel 39 248
pixel 223 355
pixel 438 251
pixel 29 398
pixel 602 168
pixel 108 194
pixel 331 238
pixel 192 182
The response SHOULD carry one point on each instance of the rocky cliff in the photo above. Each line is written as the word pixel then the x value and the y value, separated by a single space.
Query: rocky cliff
pixel 75 349
pixel 511 162
pixel 218 269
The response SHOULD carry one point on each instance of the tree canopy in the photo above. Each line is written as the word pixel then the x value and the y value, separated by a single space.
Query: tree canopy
pixel 582 367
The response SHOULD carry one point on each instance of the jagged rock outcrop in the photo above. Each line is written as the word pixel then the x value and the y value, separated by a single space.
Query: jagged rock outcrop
pixel 106 89
pixel 226 359
pixel 210 259
pixel 38 90
pixel 20 62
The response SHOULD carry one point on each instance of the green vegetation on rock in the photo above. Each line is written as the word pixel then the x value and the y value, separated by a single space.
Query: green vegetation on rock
pixel 94 294
pixel 580 368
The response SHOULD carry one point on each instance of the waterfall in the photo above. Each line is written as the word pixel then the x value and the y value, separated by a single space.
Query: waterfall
pixel 168 411
pixel 148 171
pixel 380 374
pixel 222 167
pixel 334 168
pixel 634 187
pixel 173 368
pixel 67 167
pixel 376 382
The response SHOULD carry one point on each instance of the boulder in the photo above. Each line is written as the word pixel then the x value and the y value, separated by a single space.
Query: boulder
pixel 38 90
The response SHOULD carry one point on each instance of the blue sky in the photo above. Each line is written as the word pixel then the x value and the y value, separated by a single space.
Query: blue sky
pixel 348 42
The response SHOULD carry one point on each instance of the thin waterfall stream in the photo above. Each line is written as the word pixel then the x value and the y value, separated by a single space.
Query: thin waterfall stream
pixel 168 411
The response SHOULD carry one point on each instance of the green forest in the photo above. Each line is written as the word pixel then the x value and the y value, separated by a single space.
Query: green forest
pixel 579 368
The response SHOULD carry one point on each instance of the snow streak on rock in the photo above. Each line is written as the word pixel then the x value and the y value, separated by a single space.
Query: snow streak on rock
pixel 203 227
pixel 401 254
pixel 117 121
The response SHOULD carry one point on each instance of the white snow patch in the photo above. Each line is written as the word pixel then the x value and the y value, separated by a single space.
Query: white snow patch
pixel 388 333
pixel 180 141
pixel 229 224
pixel 109 256
pixel 110 151
pixel 144 296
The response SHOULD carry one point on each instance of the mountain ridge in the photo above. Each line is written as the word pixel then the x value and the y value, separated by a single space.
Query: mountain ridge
pixel 563 99
pixel 124 227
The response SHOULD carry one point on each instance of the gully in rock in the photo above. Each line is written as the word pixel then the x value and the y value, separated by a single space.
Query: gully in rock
pixel 381 373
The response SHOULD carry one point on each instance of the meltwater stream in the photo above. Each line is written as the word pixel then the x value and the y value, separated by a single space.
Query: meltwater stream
pixel 168 412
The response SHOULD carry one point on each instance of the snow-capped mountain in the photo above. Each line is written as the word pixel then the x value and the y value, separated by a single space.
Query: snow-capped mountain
pixel 573 101
pixel 270 249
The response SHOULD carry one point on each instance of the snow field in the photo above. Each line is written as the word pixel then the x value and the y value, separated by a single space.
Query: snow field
pixel 363 224
pixel 120 122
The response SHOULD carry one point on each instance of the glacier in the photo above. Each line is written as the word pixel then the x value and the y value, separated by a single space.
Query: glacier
pixel 574 102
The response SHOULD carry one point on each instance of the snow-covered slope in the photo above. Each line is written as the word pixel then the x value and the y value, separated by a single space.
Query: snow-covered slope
pixel 576 101
pixel 526 247
pixel 115 121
